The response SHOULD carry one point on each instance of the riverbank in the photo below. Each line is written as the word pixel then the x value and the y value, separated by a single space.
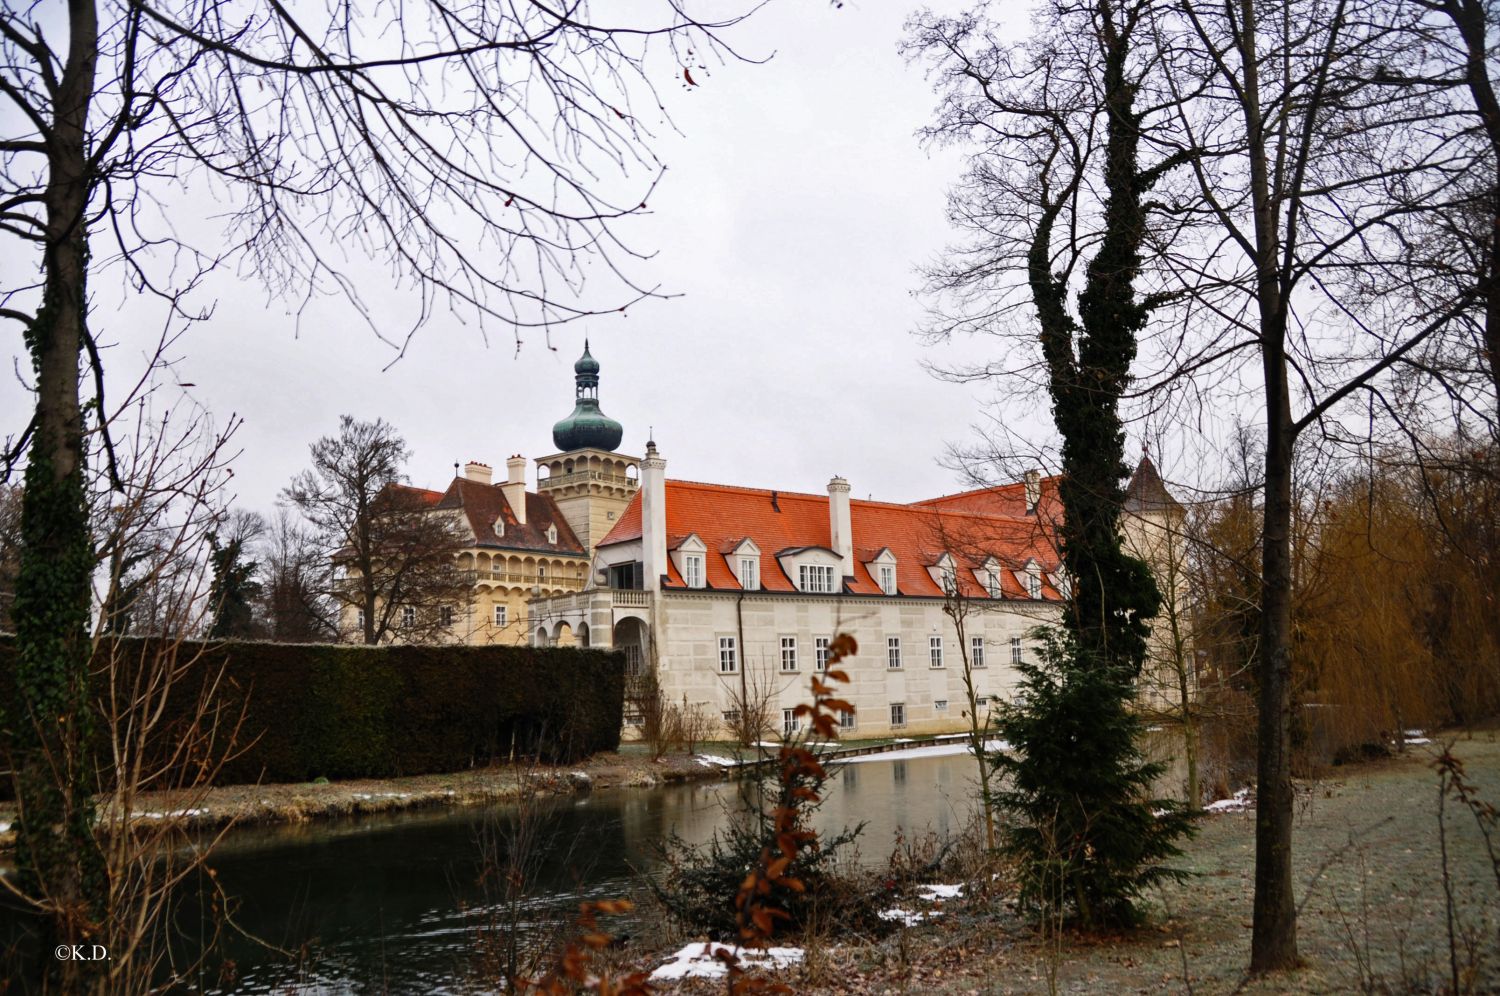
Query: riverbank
pixel 1369 882
pixel 247 805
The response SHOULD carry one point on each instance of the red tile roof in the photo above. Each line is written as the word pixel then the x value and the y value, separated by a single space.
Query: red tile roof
pixel 722 516
pixel 482 504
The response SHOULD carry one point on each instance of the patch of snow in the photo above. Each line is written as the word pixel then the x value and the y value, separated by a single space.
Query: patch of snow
pixel 908 918
pixel 1414 733
pixel 935 750
pixel 175 814
pixel 715 761
pixel 4 827
pixel 901 740
pixel 1417 740
pixel 1241 801
pixel 937 893
pixel 697 961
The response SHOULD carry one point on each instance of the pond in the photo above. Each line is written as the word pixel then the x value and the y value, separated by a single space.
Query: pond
pixel 393 902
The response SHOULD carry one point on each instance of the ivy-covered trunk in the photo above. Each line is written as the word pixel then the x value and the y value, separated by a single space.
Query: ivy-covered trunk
pixel 47 727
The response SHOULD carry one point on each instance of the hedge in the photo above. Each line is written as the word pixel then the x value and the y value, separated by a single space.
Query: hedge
pixel 339 711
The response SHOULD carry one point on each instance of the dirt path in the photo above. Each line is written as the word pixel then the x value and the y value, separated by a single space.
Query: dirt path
pixel 1370 883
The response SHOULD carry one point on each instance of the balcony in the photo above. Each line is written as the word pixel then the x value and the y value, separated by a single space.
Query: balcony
pixel 579 477
pixel 625 598
pixel 524 580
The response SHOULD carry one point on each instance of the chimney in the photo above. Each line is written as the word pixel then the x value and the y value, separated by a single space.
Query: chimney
pixel 476 471
pixel 840 528
pixel 515 486
pixel 1033 491
pixel 653 517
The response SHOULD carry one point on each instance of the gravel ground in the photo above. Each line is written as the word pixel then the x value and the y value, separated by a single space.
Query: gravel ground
pixel 1369 884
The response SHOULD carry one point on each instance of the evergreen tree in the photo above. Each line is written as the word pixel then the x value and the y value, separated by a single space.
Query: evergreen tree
pixel 1084 831
pixel 234 588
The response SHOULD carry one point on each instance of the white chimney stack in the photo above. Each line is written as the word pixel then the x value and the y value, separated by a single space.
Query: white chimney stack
pixel 1033 491
pixel 477 472
pixel 653 517
pixel 840 526
pixel 515 487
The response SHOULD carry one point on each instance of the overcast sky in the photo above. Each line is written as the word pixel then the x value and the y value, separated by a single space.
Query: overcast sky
pixel 796 208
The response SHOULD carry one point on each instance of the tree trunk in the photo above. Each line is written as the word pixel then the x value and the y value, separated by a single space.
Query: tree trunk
pixel 1273 944
pixel 56 854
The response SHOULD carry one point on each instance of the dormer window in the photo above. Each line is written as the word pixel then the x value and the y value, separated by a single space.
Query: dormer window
pixel 887 579
pixel 992 583
pixel 815 578
pixel 552 534
pixel 692 570
pixel 750 573
pixel 499 527
pixel 1033 581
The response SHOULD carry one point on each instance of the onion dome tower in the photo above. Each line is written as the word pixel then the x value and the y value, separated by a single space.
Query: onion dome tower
pixel 587 427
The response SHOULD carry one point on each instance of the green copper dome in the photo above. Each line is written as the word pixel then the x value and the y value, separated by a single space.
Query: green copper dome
pixel 587 427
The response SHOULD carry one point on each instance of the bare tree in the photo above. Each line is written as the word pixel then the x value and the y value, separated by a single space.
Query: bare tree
pixel 295 606
pixel 397 553
pixel 487 154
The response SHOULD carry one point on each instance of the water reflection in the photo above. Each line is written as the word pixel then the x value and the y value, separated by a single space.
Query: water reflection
pixel 392 903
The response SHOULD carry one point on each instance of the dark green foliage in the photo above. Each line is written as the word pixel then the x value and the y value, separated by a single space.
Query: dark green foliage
pixel 1079 820
pixel 234 588
pixel 345 711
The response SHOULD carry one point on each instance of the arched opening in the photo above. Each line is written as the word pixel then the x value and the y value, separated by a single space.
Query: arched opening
pixel 583 634
pixel 631 637
pixel 541 636
pixel 562 635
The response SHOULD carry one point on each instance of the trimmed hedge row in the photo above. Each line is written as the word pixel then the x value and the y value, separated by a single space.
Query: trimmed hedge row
pixel 340 711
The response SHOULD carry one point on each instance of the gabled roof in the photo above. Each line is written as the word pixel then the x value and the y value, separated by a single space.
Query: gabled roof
pixel 723 515
pixel 1146 492
pixel 482 504
pixel 1004 499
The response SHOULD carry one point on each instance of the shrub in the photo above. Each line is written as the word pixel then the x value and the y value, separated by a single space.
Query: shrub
pixel 355 711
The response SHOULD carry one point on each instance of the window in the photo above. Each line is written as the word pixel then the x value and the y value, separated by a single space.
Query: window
pixel 408 616
pixel 499 528
pixel 939 705
pixel 789 653
pixel 893 651
pixel 815 577
pixel 983 701
pixel 728 662
pixel 789 722
pixel 627 576
pixel 949 580
pixel 1033 584
pixel 692 570
pixel 749 574
pixel 361 618
pixel 731 717
pixel 551 534
pixel 976 651
pixel 992 583
pixel 898 715
pixel 634 719
pixel 445 615
pixel 888 580
pixel 820 653
pixel 541 572
pixel 846 719
pixel 1015 650
pixel 935 650
pixel 502 615
pixel 633 660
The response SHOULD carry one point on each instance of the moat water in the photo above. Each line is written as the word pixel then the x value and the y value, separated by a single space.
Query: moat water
pixel 394 903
